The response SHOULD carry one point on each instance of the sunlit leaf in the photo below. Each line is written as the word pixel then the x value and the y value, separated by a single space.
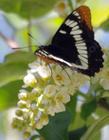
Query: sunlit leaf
pixel 99 11
pixel 105 25
pixel 18 22
pixel 75 125
pixel 15 67
pixel 27 8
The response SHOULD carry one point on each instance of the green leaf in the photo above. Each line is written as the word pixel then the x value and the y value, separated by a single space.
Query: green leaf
pixel 34 137
pixel 8 94
pixel 75 125
pixel 101 111
pixel 88 108
pixel 15 67
pixel 27 8
pixel 57 129
pixel 18 22
pixel 20 56
pixel 71 106
pixel 105 25
pixel 76 134
pixel 81 1
pixel 95 128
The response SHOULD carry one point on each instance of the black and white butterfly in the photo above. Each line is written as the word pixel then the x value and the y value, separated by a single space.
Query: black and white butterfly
pixel 73 45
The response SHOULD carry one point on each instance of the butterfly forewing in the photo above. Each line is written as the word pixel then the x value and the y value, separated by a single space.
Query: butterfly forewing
pixel 73 44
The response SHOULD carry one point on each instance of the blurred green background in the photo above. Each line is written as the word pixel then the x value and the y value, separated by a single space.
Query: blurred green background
pixel 41 19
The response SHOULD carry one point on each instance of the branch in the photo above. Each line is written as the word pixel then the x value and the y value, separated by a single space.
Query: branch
pixel 11 43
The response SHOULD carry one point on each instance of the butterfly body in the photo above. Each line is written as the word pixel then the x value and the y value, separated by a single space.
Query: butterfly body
pixel 74 45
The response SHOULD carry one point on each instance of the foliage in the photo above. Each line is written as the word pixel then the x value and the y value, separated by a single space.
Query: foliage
pixel 27 8
pixel 52 105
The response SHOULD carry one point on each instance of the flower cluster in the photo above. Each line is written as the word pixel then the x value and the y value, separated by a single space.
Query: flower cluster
pixel 45 92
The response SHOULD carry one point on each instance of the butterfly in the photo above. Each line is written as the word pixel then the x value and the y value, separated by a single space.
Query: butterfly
pixel 74 45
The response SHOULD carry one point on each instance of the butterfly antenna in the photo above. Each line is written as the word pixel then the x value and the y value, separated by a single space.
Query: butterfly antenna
pixel 19 48
pixel 29 34
pixel 50 70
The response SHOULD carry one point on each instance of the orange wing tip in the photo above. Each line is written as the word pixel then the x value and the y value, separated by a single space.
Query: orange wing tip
pixel 85 14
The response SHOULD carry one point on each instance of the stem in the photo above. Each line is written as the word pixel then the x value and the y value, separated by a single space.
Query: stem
pixel 70 4
pixel 29 31
pixel 82 94
pixel 91 89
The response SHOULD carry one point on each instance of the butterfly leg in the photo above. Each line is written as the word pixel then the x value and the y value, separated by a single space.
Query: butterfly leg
pixel 63 69
pixel 50 70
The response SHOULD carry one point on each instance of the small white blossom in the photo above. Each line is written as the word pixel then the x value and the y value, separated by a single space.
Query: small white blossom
pixel 62 95
pixel 44 71
pixel 23 95
pixel 50 90
pixel 43 120
pixel 105 83
pixel 22 104
pixel 30 80
pixel 60 107
pixel 60 76
pixel 33 66
pixel 40 68
pixel 39 99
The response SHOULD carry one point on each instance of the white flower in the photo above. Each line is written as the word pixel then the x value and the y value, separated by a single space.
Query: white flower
pixel 41 120
pixel 60 76
pixel 50 90
pixel 105 83
pixel 45 93
pixel 44 71
pixel 62 95
pixel 23 95
pixel 55 108
pixel 22 104
pixel 33 66
pixel 60 107
pixel 41 70
pixel 30 80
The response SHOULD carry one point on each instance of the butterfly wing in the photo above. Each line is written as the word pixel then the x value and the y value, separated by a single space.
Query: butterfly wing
pixel 74 23
pixel 74 45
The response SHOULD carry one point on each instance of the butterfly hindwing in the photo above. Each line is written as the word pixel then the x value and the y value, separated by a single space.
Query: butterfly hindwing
pixel 73 44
